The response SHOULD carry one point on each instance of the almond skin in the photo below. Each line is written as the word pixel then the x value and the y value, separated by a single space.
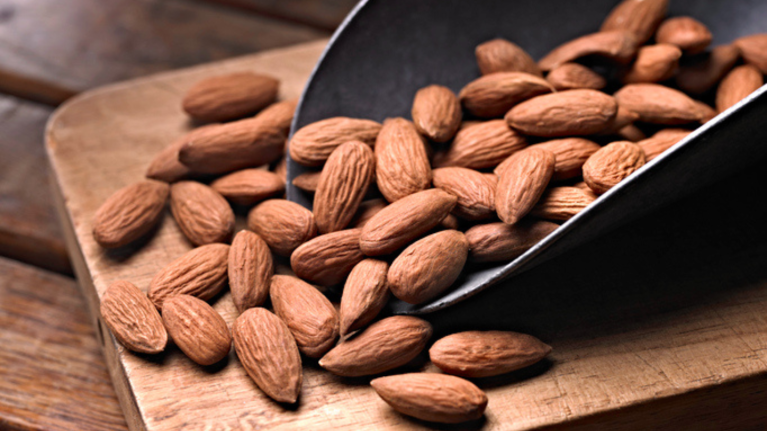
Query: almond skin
pixel 248 186
pixel 269 354
pixel 166 167
pixel 658 104
pixel 436 113
pixel 312 144
pixel 364 296
pixel 387 344
pixel 486 353
pixel 197 329
pixel 308 181
pixel 622 119
pixel 428 267
pixel 611 164
pixel 284 225
pixel 228 97
pixel 279 115
pixel 475 192
pixel 133 319
pixel 754 50
pixel 661 141
pixel 481 145
pixel 367 210
pixel 500 55
pixel 619 46
pixel 562 203
pixel 200 272
pixel 493 95
pixel 689 34
pixel 129 213
pixel 522 182
pixel 739 83
pixel 405 220
pixel 202 214
pixel 344 181
pixel 328 259
pixel 570 76
pixel 640 17
pixel 704 71
pixel 654 63
pixel 250 269
pixel 566 113
pixel 630 133
pixel 570 155
pixel 432 397
pixel 402 165
pixel 499 242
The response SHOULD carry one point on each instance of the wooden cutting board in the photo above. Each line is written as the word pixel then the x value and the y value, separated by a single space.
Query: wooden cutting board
pixel 647 364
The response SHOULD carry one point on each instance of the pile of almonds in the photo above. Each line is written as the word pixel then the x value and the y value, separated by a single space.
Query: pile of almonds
pixel 400 207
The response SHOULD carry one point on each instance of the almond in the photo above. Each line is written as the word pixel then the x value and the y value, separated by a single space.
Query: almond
pixel 387 344
pixel 754 50
pixel 428 267
pixel 570 155
pixel 619 46
pixel 571 112
pixel 201 213
pixel 500 55
pixel 129 213
pixel 475 193
pixel 228 97
pixel 367 210
pixel 344 181
pixel 623 118
pixel 269 354
pixel 706 112
pixel 284 225
pixel 630 133
pixel 312 144
pixel 248 186
pixel 689 34
pixel 405 220
pixel 307 181
pixel 436 113
pixel 562 203
pixel 364 296
pixel 449 222
pixel 640 17
pixel 611 164
pixel 280 168
pixel 250 269
pixel 486 353
pixel 200 272
pixel 493 95
pixel 658 104
pixel 661 141
pixel 500 242
pixel 328 259
pixel 402 165
pixel 570 76
pixel 197 329
pixel 166 167
pixel 703 72
pixel 279 115
pixel 310 316
pixel 522 182
pixel 133 319
pixel 654 63
pixel 481 145
pixel 739 83
pixel 432 397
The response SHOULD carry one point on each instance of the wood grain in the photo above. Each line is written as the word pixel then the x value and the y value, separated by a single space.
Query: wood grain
pixel 53 372
pixel 323 14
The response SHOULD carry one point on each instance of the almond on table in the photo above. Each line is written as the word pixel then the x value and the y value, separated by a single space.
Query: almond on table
pixel 228 97
pixel 197 329
pixel 130 213
pixel 133 319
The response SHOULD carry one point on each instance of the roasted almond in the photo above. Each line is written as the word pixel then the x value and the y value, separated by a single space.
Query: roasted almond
pixel 250 269
pixel 327 259
pixel 312 144
pixel 284 225
pixel 364 296
pixel 654 63
pixel 630 133
pixel 623 118
pixel 197 329
pixel 133 319
pixel 231 96
pixel 570 155
pixel 475 192
pixel 200 272
pixel 754 50
pixel 166 167
pixel 639 17
pixel 658 104
pixel 307 181
pixel 562 203
pixel 248 186
pixel 612 164
pixel 129 213
pixel 367 210
pixel 500 242
pixel 201 213
pixel 571 76
pixel 436 113
pixel 619 46
pixel 689 34
pixel 402 164
pixel 522 182
pixel 500 55
pixel 661 141
pixel 481 145
pixel 279 115
pixel 739 83
pixel 704 71
pixel 493 95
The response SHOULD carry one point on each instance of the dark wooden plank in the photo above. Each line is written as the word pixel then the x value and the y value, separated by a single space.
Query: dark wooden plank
pixel 52 370
pixel 322 14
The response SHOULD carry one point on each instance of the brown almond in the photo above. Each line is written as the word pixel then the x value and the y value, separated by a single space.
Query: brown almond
pixel 661 141
pixel 166 167
pixel 449 222
pixel 522 182
pixel 129 213
pixel 428 267
pixel 311 317
pixel 500 55
pixel 387 344
pixel 689 34
pixel 630 133
pixel 405 220
pixel 269 354
pixel 197 329
pixel 436 113
pixel 570 155
pixel 612 164
pixel 619 46
pixel 327 259
pixel 481 145
pixel 640 17
pixel 704 71
pixel 133 319
pixel 562 203
pixel 623 118
pixel 250 269
pixel 200 272
pixel 248 186
pixel 202 214
pixel 279 115
pixel 486 353
pixel 500 242
pixel 493 95
pixel 231 96
pixel 739 83
pixel 284 225
pixel 367 210
pixel 475 192
pixel 654 63
pixel 364 296
pixel 566 113
pixel 571 76
pixel 706 112
pixel 312 144
pixel 754 50
pixel 402 164
pixel 344 181
pixel 658 104
pixel 307 181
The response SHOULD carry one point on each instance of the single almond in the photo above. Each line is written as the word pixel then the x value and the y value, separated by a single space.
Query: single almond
pixel 630 133
pixel 570 155
pixel 500 242
pixel 284 225
pixel 481 145
pixel 562 203
pixel 249 186
pixel 689 34
pixel 619 46
pixel 486 353
pixel 436 113
pixel 402 164
pixel 385 345
pixel 327 259
pixel 654 63
pixel 405 220
pixel 166 167
pixel 202 214
pixel 129 213
pixel 312 144
pixel 661 141
pixel 364 296
pixel 522 182
pixel 475 192
pixel 571 76
pixel 623 118
pixel 736 85
pixel 493 95
pixel 200 272
pixel 754 50
pixel 250 269
pixel 702 72
pixel 228 97
pixel 367 210
pixel 500 55
pixel 706 112
pixel 612 164
pixel 658 104
pixel 279 115
pixel 639 17
pixel 197 329
pixel 133 319
pixel 308 181
pixel 269 354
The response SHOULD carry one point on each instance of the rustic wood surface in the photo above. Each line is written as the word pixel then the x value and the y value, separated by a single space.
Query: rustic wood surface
pixel 659 325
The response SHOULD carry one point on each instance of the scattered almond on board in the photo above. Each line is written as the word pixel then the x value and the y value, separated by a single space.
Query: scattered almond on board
pixel 478 176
